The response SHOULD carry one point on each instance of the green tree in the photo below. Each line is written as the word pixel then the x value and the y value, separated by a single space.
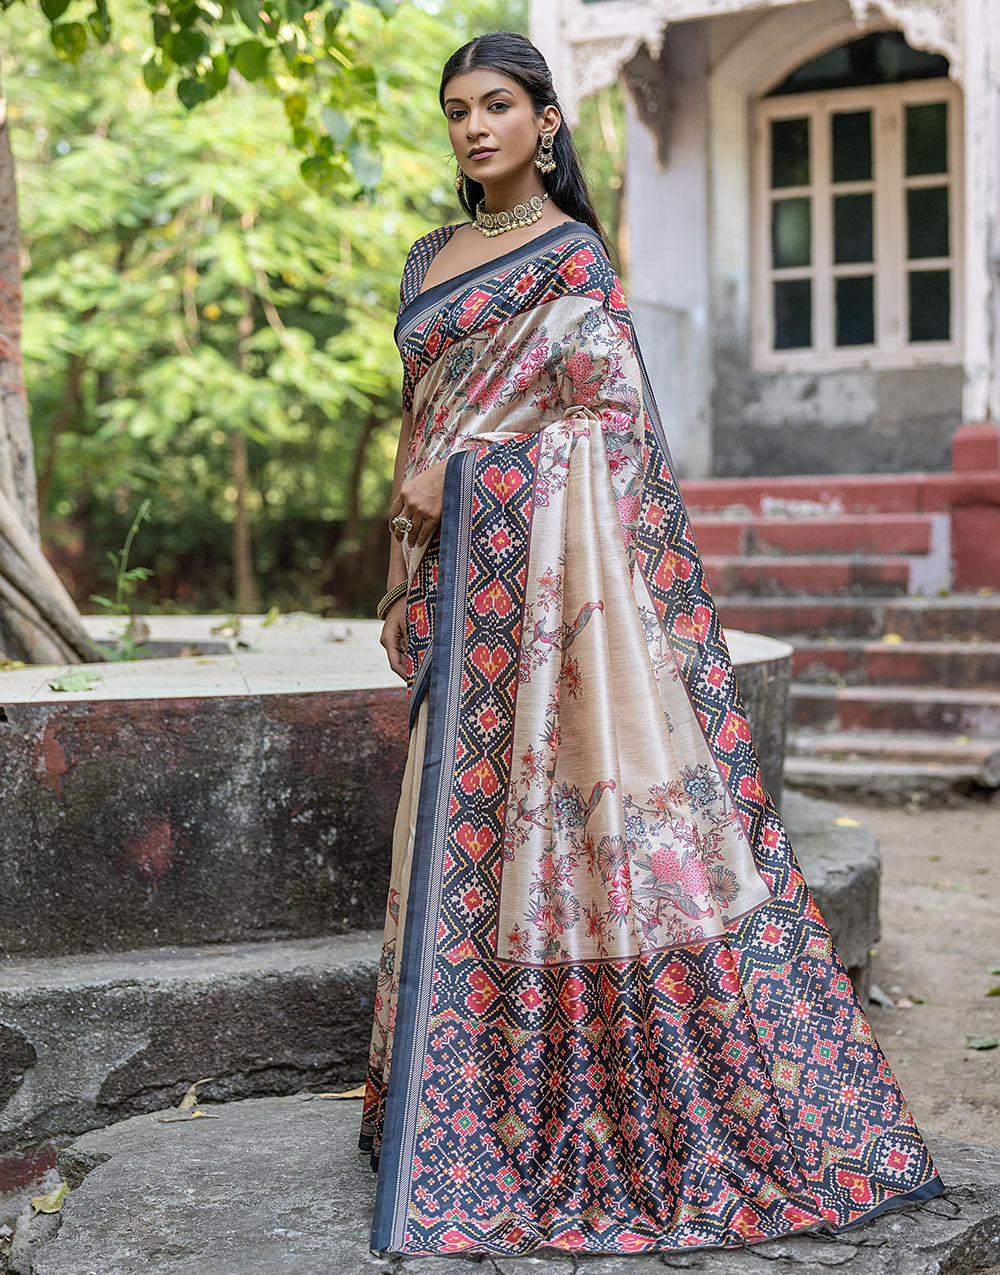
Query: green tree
pixel 313 57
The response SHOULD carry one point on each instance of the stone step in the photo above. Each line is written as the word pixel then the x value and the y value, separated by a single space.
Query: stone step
pixel 807 576
pixel 277 1186
pixel 887 782
pixel 846 534
pixel 896 708
pixel 962 616
pixel 855 661
pixel 975 756
pixel 89 1039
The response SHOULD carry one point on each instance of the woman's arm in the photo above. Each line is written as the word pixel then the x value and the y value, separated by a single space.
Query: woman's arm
pixel 394 627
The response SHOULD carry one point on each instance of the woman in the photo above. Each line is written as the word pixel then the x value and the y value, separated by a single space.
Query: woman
pixel 609 1015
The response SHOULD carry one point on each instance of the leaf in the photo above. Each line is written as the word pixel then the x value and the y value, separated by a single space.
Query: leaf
pixel 367 164
pixel 190 1099
pixel 74 680
pixel 249 11
pixel 250 59
pixel 994 991
pixel 270 618
pixel 191 92
pixel 357 1092
pixel 153 74
pixel 993 969
pixel 981 1042
pixel 52 1202
pixel 892 639
pixel 69 39
pixel 337 124
pixel 196 1114
pixel 845 821
pixel 54 9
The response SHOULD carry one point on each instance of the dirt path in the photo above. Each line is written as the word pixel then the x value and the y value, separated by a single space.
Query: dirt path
pixel 940 933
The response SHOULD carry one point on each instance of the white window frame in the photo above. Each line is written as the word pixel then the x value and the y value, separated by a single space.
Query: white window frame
pixel 891 347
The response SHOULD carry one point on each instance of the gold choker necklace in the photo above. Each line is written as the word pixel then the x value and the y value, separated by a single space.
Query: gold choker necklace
pixel 495 223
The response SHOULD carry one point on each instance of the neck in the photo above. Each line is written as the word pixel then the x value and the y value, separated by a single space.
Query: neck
pixel 513 190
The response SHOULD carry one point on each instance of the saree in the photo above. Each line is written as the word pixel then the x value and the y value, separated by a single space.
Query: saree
pixel 609 1016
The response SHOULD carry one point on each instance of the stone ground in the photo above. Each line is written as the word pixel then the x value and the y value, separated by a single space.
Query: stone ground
pixel 940 934
pixel 300 1203
pixel 276 1186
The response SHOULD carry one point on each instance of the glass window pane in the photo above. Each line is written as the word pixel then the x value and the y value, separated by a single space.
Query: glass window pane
pixel 855 302
pixel 927 221
pixel 792 313
pixel 881 57
pixel 791 233
pixel 790 152
pixel 851 143
pixel 852 227
pixel 926 138
pixel 930 305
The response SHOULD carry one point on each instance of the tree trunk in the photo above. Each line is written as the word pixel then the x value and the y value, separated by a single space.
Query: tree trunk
pixel 39 622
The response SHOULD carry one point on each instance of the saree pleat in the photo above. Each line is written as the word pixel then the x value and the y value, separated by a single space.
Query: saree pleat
pixel 609 1015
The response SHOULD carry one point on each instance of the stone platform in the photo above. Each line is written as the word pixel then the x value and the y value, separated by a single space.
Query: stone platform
pixel 277 1186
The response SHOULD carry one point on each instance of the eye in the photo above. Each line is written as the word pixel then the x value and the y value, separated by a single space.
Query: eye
pixel 503 104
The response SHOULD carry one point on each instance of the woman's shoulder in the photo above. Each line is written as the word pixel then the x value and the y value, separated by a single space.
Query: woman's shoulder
pixel 420 254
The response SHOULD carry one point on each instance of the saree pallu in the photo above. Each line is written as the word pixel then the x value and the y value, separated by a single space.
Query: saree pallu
pixel 609 1015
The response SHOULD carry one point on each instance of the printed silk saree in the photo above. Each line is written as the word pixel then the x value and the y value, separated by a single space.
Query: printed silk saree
pixel 609 1016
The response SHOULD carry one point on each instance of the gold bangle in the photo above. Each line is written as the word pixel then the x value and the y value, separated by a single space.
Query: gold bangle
pixel 390 597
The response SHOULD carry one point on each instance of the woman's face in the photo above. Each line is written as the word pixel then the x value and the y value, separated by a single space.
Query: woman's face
pixel 490 112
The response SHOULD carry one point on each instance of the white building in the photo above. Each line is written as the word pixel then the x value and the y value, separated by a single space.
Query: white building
pixel 812 203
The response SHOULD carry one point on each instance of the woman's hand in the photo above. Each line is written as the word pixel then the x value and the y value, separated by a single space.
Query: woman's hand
pixel 420 499
pixel 393 636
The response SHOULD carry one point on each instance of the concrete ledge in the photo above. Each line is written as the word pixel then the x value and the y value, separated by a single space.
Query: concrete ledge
pixel 278 1186
pixel 230 798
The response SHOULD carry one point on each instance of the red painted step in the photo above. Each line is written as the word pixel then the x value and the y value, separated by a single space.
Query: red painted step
pixel 856 662
pixel 802 575
pixel 832 495
pixel 897 708
pixel 892 534
pixel 965 617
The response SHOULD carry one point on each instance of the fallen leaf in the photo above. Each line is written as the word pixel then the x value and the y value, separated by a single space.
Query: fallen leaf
pixel 77 679
pixel 892 639
pixel 357 1092
pixel 981 1042
pixel 52 1202
pixel 7 664
pixel 919 1000
pixel 188 1115
pixel 190 1099
pixel 270 618
pixel 993 969
pixel 994 991
pixel 845 821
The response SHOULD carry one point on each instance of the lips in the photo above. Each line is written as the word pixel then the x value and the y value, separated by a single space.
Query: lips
pixel 481 153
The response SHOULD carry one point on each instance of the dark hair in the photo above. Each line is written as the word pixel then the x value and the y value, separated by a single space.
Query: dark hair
pixel 513 54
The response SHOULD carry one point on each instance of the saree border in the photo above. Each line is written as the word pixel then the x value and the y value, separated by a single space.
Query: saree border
pixel 433 296
pixel 424 895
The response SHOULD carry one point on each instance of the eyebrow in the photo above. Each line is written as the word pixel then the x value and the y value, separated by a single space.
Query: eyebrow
pixel 488 94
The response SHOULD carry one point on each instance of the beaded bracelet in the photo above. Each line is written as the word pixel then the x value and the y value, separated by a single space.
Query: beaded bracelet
pixel 389 598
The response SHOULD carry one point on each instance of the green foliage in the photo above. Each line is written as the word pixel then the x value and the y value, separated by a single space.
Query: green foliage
pixel 184 284
pixel 202 49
